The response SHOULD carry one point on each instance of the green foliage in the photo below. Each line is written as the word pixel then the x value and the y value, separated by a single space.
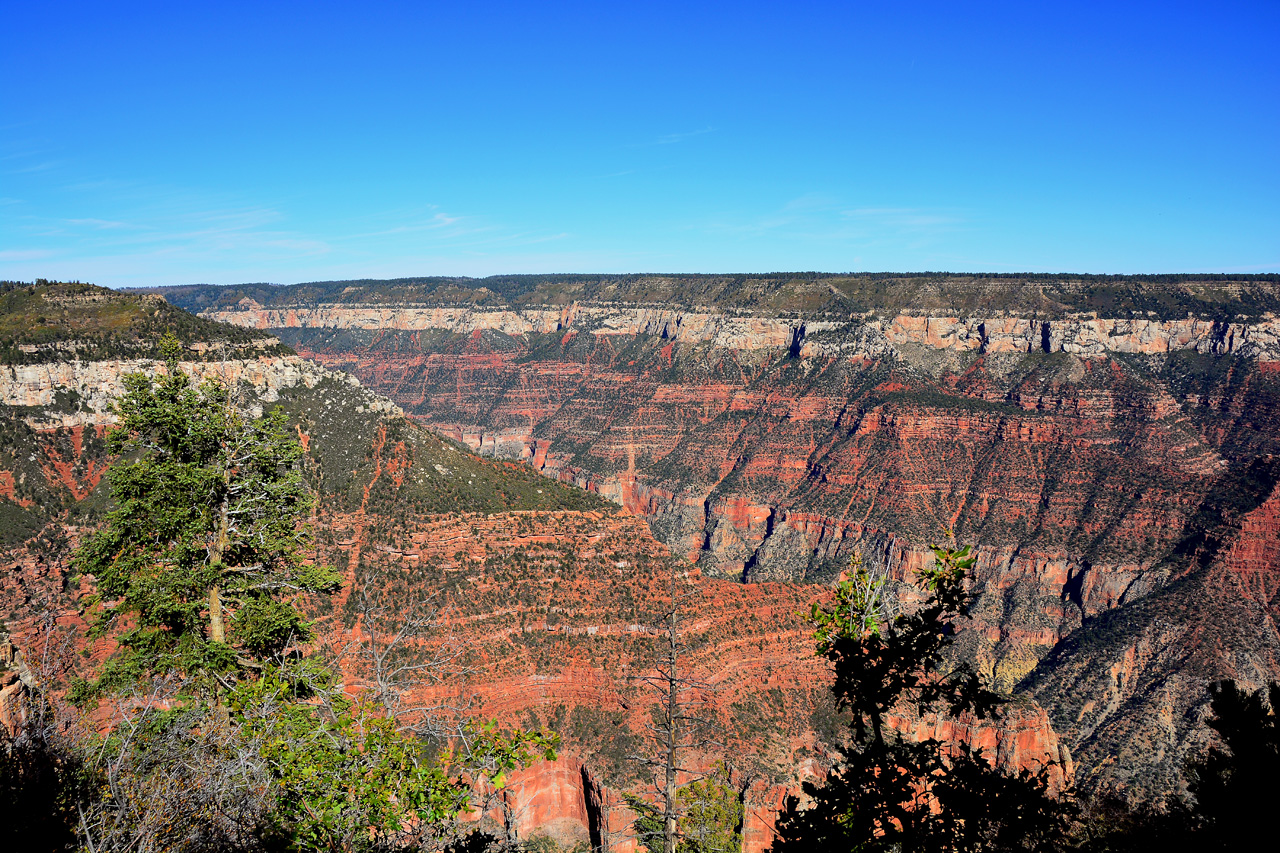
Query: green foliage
pixel 202 553
pixel 859 609
pixel 892 793
pixel 346 777
pixel 710 817
pixel 648 822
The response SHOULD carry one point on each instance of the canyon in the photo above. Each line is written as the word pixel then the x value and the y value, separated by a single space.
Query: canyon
pixel 1107 445
pixel 553 593
pixel 535 466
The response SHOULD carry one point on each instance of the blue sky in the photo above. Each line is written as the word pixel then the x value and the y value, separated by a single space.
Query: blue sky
pixel 172 143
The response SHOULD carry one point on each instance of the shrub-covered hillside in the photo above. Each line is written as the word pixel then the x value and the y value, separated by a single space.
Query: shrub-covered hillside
pixel 50 321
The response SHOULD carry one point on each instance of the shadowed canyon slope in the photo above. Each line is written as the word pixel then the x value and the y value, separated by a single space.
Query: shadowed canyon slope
pixel 1109 444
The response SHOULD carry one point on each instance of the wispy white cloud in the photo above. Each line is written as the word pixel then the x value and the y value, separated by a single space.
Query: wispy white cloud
pixel 417 224
pixel 104 224
pixel 675 138
pixel 903 217
pixel 822 218
pixel 43 166
pixel 97 185
pixel 24 254
pixel 124 233
pixel 172 227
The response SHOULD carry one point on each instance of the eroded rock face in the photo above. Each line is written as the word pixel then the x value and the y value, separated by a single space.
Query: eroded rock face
pixel 75 393
pixel 797 465
pixel 556 610
pixel 561 612
pixel 869 336
pixel 1094 461
pixel 549 799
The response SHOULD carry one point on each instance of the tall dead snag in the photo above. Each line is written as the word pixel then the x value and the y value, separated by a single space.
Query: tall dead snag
pixel 681 724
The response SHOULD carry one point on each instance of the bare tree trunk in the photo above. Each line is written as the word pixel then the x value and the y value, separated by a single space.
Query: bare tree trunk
pixel 508 820
pixel 675 731
pixel 217 626
pixel 669 813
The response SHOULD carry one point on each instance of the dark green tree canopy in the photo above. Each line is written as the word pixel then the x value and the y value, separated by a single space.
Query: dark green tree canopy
pixel 202 555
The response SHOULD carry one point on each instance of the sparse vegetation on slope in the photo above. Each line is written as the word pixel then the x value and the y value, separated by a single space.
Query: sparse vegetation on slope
pixel 55 321
pixel 1043 295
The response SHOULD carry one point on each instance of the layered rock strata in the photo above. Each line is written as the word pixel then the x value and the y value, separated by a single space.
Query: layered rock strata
pixel 868 336
pixel 1094 459
pixel 76 394
pixel 560 614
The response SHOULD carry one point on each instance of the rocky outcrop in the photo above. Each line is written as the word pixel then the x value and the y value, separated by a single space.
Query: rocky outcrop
pixel 866 336
pixel 1093 460
pixel 1087 335
pixel 1022 737
pixel 76 393
pixel 549 799
pixel 1252 563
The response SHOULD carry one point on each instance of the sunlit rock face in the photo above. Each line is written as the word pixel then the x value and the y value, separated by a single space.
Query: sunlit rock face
pixel 555 596
pixel 559 615
pixel 1105 446
pixel 75 393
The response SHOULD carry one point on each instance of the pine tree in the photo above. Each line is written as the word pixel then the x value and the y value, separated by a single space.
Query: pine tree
pixel 201 558
pixel 199 568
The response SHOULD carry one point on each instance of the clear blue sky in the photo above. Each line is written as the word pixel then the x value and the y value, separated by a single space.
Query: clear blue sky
pixel 221 142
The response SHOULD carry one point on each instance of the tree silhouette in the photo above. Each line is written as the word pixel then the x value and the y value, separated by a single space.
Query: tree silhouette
pixel 889 792
pixel 1238 783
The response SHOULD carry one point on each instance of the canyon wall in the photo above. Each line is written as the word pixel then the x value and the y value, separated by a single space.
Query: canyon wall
pixel 560 614
pixel 556 611
pixel 1117 475
pixel 79 393
pixel 549 594
pixel 1102 465
pixel 863 335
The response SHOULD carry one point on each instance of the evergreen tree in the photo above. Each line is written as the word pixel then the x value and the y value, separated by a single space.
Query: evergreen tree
pixel 201 557
pixel 199 567
pixel 890 792
pixel 711 816
pixel 1238 782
